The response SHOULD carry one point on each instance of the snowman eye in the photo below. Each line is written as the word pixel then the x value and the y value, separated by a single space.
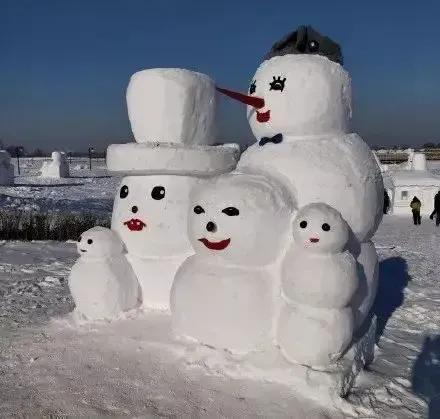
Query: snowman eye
pixel 277 83
pixel 303 224
pixel 252 87
pixel 198 209
pixel 231 211
pixel 325 227
pixel 80 238
pixel 123 192
pixel 158 193
pixel 90 241
pixel 313 46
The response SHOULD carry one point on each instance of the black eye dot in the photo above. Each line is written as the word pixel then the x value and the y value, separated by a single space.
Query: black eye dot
pixel 198 209
pixel 90 241
pixel 80 238
pixel 303 224
pixel 123 193
pixel 231 211
pixel 158 193
pixel 313 46
pixel 325 227
pixel 278 83
pixel 252 87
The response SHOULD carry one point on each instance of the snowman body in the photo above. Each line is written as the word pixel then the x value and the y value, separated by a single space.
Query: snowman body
pixel 319 280
pixel 227 294
pixel 150 217
pixel 102 282
pixel 303 141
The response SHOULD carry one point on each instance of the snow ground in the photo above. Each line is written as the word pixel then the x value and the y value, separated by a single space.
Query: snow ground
pixel 51 367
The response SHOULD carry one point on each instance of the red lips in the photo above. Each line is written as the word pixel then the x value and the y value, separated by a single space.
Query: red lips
pixel 263 116
pixel 135 224
pixel 314 240
pixel 216 245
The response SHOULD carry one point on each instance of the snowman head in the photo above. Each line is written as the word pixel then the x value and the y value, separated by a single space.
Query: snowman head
pixel 319 228
pixel 150 214
pixel 99 242
pixel 303 95
pixel 56 157
pixel 239 218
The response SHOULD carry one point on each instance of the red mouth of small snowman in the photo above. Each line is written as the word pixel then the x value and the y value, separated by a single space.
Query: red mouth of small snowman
pixel 215 245
pixel 263 116
pixel 135 224
pixel 314 240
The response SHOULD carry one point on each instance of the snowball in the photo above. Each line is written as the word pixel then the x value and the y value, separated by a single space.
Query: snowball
pixel 222 306
pixel 150 215
pixel 242 219
pixel 6 169
pixel 57 168
pixel 320 228
pixel 340 171
pixel 314 337
pixel 172 105
pixel 303 95
pixel 102 282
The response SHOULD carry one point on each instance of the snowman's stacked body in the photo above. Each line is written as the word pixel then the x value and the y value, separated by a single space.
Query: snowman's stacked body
pixel 307 99
pixel 172 115
pixel 102 282
pixel 319 280
pixel 225 295
pixel 6 169
pixel 57 168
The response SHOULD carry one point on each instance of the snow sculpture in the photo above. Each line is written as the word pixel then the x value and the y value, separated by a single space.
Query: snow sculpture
pixel 57 168
pixel 6 169
pixel 319 280
pixel 299 109
pixel 172 115
pixel 226 295
pixel 102 282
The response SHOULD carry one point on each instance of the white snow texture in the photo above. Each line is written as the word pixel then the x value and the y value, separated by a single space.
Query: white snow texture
pixel 226 294
pixel 172 105
pixel 102 282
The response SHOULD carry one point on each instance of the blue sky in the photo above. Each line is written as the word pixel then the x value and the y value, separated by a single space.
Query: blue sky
pixel 65 65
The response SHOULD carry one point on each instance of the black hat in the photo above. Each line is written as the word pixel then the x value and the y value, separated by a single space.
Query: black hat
pixel 305 40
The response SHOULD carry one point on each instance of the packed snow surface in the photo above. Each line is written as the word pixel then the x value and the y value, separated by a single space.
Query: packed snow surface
pixel 55 367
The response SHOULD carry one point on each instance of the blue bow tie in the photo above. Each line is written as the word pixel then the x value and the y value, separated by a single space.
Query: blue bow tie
pixel 276 139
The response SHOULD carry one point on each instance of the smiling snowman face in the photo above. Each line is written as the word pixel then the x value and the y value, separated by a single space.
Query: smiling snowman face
pixel 303 95
pixel 320 228
pixel 99 242
pixel 240 218
pixel 150 214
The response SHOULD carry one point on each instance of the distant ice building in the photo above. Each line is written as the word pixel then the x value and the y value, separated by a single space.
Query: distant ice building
pixel 6 169
pixel 57 168
pixel 406 180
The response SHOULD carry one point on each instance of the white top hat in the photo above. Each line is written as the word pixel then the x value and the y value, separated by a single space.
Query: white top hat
pixel 172 116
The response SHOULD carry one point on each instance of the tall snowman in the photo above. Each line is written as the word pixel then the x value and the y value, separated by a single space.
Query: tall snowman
pixel 172 116
pixel 299 110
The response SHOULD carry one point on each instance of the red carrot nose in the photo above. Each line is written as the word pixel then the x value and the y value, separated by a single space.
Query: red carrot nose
pixel 256 102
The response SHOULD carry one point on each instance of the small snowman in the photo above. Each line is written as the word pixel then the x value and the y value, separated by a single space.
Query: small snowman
pixel 102 282
pixel 319 280
pixel 172 116
pixel 225 295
